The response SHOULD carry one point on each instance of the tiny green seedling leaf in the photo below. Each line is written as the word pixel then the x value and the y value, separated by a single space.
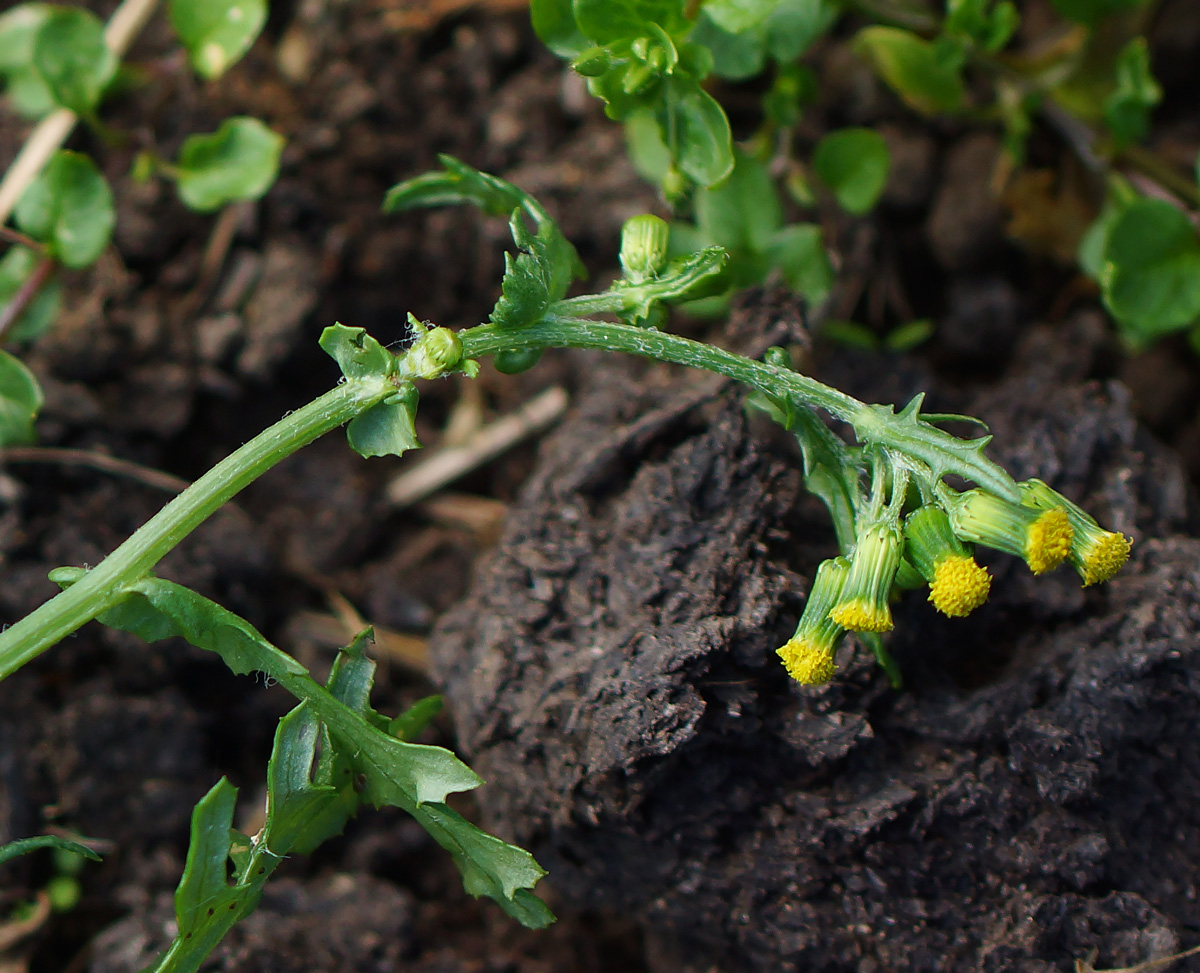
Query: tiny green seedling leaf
pixel 1127 109
pixel 240 160
pixel 853 163
pixel 217 33
pixel 554 22
pixel 799 252
pixel 1151 274
pixel 69 207
pixel 72 58
pixel 386 429
pixel 605 21
pixel 704 143
pixel 29 94
pixel 16 268
pixel 358 354
pixel 20 401
pixel 913 69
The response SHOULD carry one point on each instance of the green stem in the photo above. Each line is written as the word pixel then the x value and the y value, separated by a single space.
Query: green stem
pixel 103 586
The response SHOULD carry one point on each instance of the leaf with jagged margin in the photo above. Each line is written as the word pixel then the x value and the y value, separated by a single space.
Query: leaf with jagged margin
pixel 538 276
pixel 941 452
pixel 407 775
pixel 685 278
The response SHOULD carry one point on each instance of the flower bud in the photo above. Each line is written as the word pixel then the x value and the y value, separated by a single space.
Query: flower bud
pixel 1097 554
pixel 1041 537
pixel 957 585
pixel 863 606
pixel 644 241
pixel 435 353
pixel 592 63
pixel 808 655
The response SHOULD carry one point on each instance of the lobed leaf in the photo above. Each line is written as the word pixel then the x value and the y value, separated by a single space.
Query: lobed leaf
pixel 20 401
pixel 69 207
pixel 240 160
pixel 217 33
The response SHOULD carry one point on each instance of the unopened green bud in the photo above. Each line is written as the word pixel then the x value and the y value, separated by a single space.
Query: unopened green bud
pixel 592 63
pixel 675 186
pixel 639 79
pixel 808 655
pixel 644 241
pixel 863 606
pixel 513 361
pixel 1042 537
pixel 1097 554
pixel 436 352
pixel 957 585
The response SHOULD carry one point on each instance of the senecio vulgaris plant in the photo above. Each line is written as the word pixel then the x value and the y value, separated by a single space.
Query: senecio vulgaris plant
pixel 899 525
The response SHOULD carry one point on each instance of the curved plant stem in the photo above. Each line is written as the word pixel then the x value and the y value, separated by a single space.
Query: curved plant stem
pixel 103 586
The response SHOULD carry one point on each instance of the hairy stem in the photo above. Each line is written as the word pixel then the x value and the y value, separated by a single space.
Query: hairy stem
pixel 103 586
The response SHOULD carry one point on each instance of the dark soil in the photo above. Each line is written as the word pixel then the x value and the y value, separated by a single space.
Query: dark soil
pixel 1032 795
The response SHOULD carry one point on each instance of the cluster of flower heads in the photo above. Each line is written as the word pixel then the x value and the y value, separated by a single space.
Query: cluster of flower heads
pixel 931 546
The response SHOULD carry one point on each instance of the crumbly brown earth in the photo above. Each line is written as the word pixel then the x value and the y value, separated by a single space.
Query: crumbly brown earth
pixel 1030 796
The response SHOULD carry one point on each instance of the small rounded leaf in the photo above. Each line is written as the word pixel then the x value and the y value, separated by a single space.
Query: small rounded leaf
pixel 240 160
pixel 72 58
pixel 913 68
pixel 217 33
pixel 854 164
pixel 69 206
pixel 20 401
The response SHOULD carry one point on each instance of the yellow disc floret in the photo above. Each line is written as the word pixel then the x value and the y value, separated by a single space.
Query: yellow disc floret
pixel 1048 542
pixel 959 585
pixel 1103 558
pixel 806 661
pixel 863 615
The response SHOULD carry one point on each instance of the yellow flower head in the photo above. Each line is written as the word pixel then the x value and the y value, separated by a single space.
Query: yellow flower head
pixel 959 585
pixel 1041 536
pixel 806 661
pixel 863 605
pixel 1097 554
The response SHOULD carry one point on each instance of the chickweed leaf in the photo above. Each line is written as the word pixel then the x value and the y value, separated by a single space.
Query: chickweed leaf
pixel 24 846
pixel 217 33
pixel 20 401
pixel 792 28
pixel 69 207
pixel 853 163
pixel 1151 273
pixel 72 58
pixel 29 94
pixel 1127 109
pixel 240 160
pixel 744 211
pixel 704 143
pixel 912 68
pixel 736 16
pixel 604 21
pixel 540 274
pixel 15 269
pixel 554 22
pixel 799 252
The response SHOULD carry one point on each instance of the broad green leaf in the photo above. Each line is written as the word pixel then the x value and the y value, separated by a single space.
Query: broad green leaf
pixel 1151 276
pixel 240 160
pixel 605 21
pixel 217 33
pixel 799 252
pixel 358 354
pixel 554 22
pixel 703 146
pixel 1091 12
pixel 743 212
pixel 15 269
pixel 735 16
pixel 853 162
pixel 18 30
pixel 645 147
pixel 72 58
pixel 386 429
pixel 913 68
pixel 24 846
pixel 1127 109
pixel 736 56
pixel 20 401
pixel 1095 239
pixel 792 28
pixel 69 207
